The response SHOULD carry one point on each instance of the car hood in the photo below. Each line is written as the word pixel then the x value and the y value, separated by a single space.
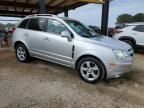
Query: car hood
pixel 109 42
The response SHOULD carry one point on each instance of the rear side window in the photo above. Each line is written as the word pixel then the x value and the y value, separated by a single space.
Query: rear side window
pixel 121 26
pixel 23 24
pixel 38 24
pixel 139 28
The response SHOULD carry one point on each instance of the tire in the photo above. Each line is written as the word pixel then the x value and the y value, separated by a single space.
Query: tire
pixel 91 70
pixel 22 53
pixel 130 43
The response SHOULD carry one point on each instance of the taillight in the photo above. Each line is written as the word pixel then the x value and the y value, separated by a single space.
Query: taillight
pixel 13 30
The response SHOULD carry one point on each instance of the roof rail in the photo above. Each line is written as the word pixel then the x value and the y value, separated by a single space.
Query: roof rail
pixel 42 15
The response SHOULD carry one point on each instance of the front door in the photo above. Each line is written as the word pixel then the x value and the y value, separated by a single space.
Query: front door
pixel 59 49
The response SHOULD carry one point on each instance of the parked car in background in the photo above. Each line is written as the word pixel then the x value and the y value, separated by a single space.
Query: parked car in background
pixel 96 29
pixel 68 42
pixel 131 33
pixel 111 31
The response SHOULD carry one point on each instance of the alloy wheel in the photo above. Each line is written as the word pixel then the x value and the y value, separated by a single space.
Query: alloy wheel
pixel 89 70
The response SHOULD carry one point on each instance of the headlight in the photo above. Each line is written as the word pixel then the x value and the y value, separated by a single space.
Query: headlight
pixel 120 54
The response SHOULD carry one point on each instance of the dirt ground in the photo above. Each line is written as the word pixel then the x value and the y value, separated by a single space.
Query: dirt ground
pixel 42 84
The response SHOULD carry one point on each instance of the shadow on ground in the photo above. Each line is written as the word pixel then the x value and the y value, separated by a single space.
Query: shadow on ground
pixel 41 84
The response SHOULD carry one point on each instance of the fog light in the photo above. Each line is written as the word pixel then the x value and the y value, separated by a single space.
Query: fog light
pixel 117 76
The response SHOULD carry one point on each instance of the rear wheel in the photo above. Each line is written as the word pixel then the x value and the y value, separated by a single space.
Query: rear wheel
pixel 22 53
pixel 90 69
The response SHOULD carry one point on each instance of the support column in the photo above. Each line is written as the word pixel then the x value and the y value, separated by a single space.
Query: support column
pixel 105 16
pixel 42 7
pixel 66 13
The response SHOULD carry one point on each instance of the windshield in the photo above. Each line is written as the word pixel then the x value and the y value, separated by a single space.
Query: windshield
pixel 81 29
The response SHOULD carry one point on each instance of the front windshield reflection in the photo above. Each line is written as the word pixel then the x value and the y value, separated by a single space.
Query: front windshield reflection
pixel 81 29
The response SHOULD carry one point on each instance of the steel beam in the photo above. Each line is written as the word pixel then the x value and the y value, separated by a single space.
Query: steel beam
pixel 93 1
pixel 42 7
pixel 24 5
pixel 105 14
pixel 14 13
pixel 66 13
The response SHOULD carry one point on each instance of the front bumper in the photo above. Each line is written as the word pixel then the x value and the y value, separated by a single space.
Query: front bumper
pixel 118 69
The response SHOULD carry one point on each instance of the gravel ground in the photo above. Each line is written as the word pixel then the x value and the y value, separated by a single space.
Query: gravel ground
pixel 41 84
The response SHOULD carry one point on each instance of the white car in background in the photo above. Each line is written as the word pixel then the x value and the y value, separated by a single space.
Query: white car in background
pixel 131 33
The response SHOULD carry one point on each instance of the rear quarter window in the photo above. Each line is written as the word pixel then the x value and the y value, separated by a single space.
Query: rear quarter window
pixel 23 24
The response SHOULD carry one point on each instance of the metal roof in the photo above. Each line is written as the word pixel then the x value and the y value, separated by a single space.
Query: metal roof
pixel 27 7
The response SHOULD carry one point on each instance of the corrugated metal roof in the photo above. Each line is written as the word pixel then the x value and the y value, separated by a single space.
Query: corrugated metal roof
pixel 26 7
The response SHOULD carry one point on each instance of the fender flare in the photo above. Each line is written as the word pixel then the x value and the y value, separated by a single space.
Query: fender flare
pixel 128 38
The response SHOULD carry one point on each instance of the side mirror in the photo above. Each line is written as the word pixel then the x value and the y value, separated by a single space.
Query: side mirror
pixel 67 35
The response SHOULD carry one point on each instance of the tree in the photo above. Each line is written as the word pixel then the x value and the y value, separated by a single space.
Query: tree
pixel 124 18
pixel 2 25
pixel 138 17
pixel 9 25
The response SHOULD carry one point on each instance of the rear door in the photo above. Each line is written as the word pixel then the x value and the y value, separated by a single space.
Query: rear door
pixel 36 35
pixel 138 33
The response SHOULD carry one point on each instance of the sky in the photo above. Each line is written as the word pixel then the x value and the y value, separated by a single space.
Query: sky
pixel 91 14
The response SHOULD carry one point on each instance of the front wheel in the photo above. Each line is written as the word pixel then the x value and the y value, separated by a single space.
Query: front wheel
pixel 91 70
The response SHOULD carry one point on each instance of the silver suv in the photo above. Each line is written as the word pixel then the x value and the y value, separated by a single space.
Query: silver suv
pixel 68 42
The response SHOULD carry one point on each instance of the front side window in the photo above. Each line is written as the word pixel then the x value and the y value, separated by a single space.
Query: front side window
pixel 139 28
pixel 23 24
pixel 38 24
pixel 56 27
pixel 81 29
